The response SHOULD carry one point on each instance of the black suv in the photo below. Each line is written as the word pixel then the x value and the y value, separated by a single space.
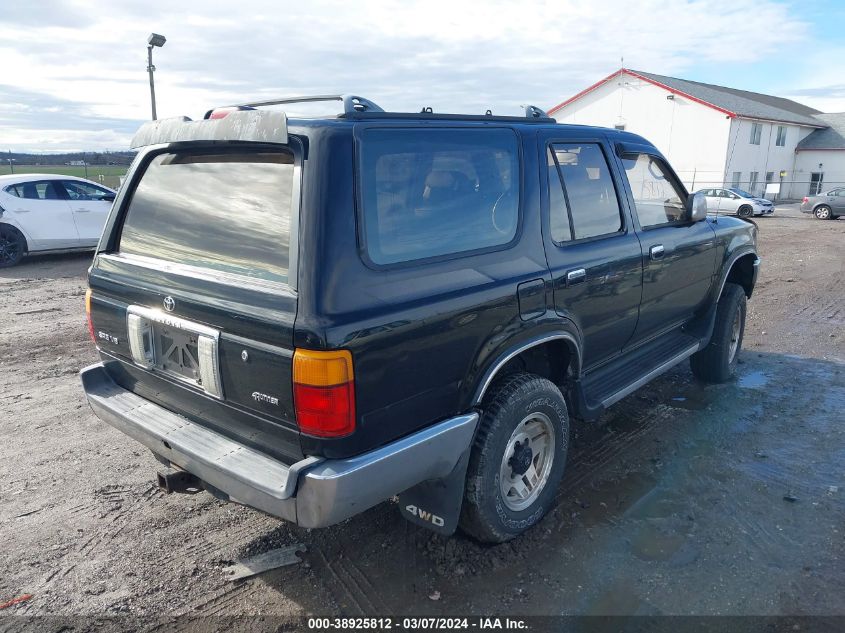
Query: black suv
pixel 311 316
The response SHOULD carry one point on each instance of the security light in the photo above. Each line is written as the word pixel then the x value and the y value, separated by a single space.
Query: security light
pixel 153 40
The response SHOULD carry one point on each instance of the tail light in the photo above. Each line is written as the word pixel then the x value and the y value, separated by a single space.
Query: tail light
pixel 806 199
pixel 324 392
pixel 88 315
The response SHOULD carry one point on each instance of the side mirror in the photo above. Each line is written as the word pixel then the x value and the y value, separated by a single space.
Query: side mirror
pixel 697 207
pixel 109 197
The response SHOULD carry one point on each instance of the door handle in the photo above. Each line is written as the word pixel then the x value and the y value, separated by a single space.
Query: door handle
pixel 656 252
pixel 576 276
pixel 83 210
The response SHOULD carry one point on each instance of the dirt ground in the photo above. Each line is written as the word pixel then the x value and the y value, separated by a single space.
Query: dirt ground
pixel 688 499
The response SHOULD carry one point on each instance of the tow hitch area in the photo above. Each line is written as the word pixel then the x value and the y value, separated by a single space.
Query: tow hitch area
pixel 173 480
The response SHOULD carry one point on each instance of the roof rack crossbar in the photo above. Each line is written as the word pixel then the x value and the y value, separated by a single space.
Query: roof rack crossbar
pixel 351 103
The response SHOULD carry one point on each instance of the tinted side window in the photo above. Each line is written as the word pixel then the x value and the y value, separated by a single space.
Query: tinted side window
pixel 44 190
pixel 589 190
pixel 657 199
pixel 559 225
pixel 428 193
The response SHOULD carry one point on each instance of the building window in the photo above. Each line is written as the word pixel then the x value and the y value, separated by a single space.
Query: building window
pixel 781 139
pixel 736 179
pixel 752 182
pixel 770 176
pixel 756 132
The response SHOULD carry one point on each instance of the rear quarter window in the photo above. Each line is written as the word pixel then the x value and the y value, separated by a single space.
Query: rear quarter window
pixel 229 212
pixel 430 193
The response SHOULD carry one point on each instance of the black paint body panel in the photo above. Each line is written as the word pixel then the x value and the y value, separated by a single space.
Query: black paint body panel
pixel 422 337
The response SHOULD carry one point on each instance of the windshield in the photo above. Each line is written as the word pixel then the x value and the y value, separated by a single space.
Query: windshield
pixel 740 192
pixel 227 211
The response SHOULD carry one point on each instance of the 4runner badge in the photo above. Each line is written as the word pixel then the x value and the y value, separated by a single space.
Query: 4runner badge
pixel 169 303
pixel 263 397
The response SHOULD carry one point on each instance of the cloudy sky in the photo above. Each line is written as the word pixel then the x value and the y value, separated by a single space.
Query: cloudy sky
pixel 73 72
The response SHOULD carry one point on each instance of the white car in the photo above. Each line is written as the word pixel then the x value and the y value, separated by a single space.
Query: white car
pixel 736 201
pixel 48 212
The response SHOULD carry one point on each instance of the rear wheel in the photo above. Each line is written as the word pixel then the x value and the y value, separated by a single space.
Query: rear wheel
pixel 745 211
pixel 12 246
pixel 823 212
pixel 717 362
pixel 517 459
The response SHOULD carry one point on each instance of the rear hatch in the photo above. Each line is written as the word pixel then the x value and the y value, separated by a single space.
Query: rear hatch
pixel 193 297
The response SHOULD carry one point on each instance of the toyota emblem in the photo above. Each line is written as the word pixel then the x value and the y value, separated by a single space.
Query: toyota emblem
pixel 169 303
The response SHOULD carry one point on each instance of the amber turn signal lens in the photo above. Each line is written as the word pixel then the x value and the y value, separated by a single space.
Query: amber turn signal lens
pixel 322 369
pixel 88 315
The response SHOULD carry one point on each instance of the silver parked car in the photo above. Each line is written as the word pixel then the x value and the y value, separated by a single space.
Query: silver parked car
pixel 49 212
pixel 825 206
pixel 735 201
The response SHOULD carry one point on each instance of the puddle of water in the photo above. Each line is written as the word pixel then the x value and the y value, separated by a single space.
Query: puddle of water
pixel 610 499
pixel 618 599
pixel 753 380
pixel 652 544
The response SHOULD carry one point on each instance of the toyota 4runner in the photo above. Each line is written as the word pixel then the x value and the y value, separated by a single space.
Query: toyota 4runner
pixel 312 315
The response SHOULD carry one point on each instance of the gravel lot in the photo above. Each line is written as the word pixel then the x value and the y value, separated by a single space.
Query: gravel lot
pixel 689 499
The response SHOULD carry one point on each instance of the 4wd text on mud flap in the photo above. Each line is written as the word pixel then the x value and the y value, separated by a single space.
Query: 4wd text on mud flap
pixel 425 516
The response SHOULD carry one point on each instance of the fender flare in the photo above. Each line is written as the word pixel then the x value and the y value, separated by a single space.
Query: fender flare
pixel 726 269
pixel 526 344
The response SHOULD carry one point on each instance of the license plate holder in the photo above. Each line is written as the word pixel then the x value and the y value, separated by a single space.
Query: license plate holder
pixel 176 353
pixel 176 347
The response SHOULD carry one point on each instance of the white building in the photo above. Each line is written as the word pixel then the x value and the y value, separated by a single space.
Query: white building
pixel 717 136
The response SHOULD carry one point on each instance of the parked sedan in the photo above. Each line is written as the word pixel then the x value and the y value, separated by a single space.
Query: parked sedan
pixel 47 212
pixel 735 201
pixel 825 206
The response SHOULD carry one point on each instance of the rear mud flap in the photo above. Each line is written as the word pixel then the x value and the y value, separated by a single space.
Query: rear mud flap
pixel 436 504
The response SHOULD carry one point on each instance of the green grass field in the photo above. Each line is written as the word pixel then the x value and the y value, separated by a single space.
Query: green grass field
pixel 110 173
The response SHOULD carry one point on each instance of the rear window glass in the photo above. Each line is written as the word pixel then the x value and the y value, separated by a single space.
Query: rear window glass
pixel 429 193
pixel 230 212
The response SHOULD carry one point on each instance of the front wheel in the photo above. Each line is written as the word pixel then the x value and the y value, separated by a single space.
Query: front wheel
pixel 717 362
pixel 822 212
pixel 517 459
pixel 12 246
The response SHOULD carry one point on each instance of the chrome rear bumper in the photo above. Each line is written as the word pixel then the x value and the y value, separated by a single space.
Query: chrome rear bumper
pixel 313 492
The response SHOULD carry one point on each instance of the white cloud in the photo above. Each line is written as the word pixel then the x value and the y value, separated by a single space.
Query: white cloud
pixel 453 56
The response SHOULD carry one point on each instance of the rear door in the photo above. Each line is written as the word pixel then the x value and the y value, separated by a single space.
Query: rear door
pixel 90 205
pixel 40 208
pixel 837 201
pixel 194 297
pixel 592 250
pixel 678 256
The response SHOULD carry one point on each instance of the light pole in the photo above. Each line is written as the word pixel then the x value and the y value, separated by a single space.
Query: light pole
pixel 153 40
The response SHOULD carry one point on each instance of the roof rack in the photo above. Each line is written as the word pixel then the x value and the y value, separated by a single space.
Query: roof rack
pixel 533 112
pixel 351 103
pixel 355 105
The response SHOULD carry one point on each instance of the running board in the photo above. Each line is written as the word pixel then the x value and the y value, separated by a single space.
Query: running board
pixel 654 373
pixel 609 384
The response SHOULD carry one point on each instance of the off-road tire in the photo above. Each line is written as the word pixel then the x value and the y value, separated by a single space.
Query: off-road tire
pixel 823 212
pixel 507 405
pixel 745 211
pixel 12 246
pixel 714 363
